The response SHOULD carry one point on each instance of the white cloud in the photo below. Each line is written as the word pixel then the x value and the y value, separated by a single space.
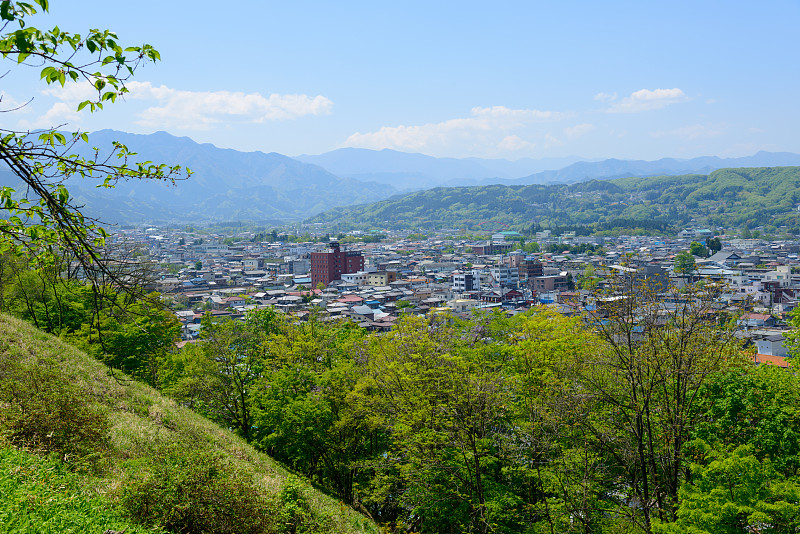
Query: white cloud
pixel 579 130
pixel 514 143
pixel 604 97
pixel 551 141
pixel 695 131
pixel 60 114
pixel 72 93
pixel 515 116
pixel 488 130
pixel 646 100
pixel 198 110
pixel 10 104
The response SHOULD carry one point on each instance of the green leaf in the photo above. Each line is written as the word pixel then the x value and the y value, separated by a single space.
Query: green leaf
pixel 5 11
pixel 47 72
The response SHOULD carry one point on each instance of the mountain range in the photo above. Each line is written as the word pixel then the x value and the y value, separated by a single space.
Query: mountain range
pixel 407 171
pixel 228 185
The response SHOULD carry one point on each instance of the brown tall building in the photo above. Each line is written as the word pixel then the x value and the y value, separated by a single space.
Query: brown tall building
pixel 530 269
pixel 333 263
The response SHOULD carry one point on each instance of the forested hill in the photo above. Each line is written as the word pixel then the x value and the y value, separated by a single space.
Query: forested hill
pixel 726 197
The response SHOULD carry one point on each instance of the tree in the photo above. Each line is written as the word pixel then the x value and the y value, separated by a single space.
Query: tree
pixel 133 338
pixel 558 473
pixel 306 412
pixel 754 406
pixel 714 244
pixel 733 492
pixel 745 455
pixel 793 336
pixel 697 249
pixel 444 401
pixel 684 264
pixel 588 280
pixel 223 370
pixel 46 222
pixel 646 380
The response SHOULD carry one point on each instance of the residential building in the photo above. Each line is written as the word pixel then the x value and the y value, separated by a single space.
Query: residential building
pixel 381 278
pixel 505 276
pixel 465 281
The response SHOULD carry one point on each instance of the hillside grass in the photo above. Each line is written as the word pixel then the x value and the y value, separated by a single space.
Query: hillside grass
pixel 42 495
pixel 120 453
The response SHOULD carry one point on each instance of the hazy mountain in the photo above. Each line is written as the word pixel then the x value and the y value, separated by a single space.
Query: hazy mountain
pixel 417 171
pixel 410 171
pixel 225 185
pixel 616 168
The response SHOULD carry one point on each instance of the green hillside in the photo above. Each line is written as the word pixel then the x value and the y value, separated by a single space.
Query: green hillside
pixel 724 198
pixel 84 450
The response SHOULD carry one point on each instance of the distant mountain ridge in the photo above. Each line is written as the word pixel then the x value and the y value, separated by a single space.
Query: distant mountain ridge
pixel 228 185
pixel 409 171
pixel 616 168
pixel 412 171
pixel 225 185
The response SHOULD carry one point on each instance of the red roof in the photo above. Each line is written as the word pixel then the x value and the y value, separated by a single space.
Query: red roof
pixel 350 298
pixel 780 361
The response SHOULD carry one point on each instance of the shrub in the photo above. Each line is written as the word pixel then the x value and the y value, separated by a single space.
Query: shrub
pixel 295 514
pixel 42 410
pixel 193 492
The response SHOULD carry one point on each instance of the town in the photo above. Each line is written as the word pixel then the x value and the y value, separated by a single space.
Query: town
pixel 373 283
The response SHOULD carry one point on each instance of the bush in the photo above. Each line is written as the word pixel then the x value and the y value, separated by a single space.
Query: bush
pixel 42 410
pixel 194 492
pixel 295 514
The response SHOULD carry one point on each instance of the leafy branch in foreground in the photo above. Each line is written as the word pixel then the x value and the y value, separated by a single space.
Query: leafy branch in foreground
pixel 45 221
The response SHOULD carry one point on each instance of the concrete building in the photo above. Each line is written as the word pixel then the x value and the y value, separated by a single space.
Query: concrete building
pixel 381 278
pixel 331 264
pixel 465 281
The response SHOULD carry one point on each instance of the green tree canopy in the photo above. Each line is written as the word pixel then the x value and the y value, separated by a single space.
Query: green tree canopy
pixel 698 249
pixel 684 263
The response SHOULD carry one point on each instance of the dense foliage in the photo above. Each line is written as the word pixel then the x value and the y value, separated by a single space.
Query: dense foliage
pixel 659 204
pixel 623 420
pixel 123 329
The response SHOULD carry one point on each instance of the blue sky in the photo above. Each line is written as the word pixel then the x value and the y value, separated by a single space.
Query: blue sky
pixel 633 80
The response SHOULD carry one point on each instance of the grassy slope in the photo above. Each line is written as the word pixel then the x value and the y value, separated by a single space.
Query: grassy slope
pixel 41 495
pixel 142 420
